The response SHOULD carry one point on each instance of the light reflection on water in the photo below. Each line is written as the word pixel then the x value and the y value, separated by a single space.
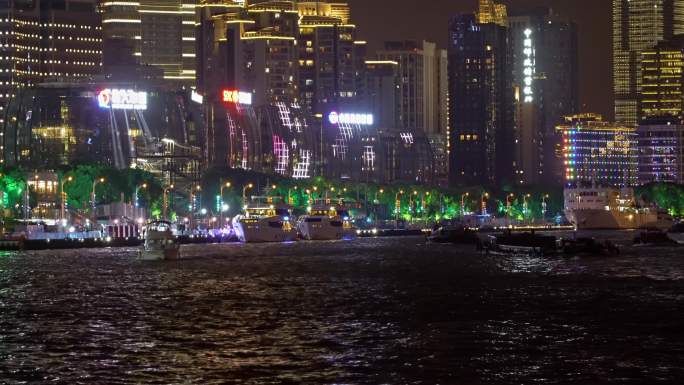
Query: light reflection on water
pixel 368 311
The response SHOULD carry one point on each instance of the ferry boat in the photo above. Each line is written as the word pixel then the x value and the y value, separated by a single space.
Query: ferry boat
pixel 325 222
pixel 160 243
pixel 609 208
pixel 264 222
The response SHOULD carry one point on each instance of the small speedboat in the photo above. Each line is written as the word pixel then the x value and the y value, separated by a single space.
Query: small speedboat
pixel 453 234
pixel 587 247
pixel 160 243
pixel 676 233
pixel 509 243
pixel 653 238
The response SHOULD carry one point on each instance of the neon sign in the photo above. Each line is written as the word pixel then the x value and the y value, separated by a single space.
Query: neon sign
pixel 117 99
pixel 528 66
pixel 344 118
pixel 237 97
pixel 196 97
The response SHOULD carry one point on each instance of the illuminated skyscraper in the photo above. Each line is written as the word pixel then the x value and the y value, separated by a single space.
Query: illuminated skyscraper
pixel 638 25
pixel 160 33
pixel 480 103
pixel 422 90
pixel 327 63
pixel 44 41
pixel 491 12
pixel 662 85
pixel 250 48
pixel 661 151
pixel 545 76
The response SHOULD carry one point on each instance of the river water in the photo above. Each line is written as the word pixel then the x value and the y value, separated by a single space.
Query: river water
pixel 370 311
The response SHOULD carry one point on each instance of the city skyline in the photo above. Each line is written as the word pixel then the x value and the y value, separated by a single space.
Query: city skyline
pixel 594 35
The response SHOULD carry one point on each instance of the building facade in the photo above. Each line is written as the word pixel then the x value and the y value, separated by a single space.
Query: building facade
pixel 661 152
pixel 662 81
pixel 638 25
pixel 599 153
pixel 545 77
pixel 480 103
pixel 491 12
pixel 421 94
pixel 159 33
pixel 327 66
pixel 44 41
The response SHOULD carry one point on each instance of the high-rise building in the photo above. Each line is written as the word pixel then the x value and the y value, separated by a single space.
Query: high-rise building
pixel 491 12
pixel 637 26
pixel 598 152
pixel 249 48
pixel 422 92
pixel 44 41
pixel 662 85
pixel 480 103
pixel 661 151
pixel 327 66
pixel 545 77
pixel 245 51
pixel 418 85
pixel 160 33
pixel 382 93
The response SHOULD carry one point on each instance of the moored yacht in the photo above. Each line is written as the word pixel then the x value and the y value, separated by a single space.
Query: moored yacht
pixel 610 208
pixel 325 222
pixel 264 222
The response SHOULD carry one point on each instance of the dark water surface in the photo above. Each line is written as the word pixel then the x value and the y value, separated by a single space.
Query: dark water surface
pixel 371 311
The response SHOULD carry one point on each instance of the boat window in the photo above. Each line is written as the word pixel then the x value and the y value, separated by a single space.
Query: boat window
pixel 282 212
pixel 309 220
pixel 278 225
pixel 336 223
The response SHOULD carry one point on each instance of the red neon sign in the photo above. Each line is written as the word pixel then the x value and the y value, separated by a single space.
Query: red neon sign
pixel 236 97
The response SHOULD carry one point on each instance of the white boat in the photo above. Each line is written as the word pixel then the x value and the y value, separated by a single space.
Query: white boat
pixel 326 223
pixel 676 233
pixel 264 223
pixel 609 208
pixel 160 243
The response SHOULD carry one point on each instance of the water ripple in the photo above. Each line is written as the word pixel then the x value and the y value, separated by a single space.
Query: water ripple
pixel 373 311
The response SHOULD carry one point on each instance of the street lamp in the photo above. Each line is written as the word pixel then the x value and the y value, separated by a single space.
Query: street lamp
pixel 411 201
pixel 223 185
pixel 165 197
pixel 193 196
pixel 463 196
pixel 137 190
pixel 423 199
pixel 375 200
pixel 483 198
pixel 289 198
pixel 244 192
pixel 224 210
pixel 397 209
pixel 63 195
pixel 508 204
pixel 525 197
pixel 224 206
pixel 92 194
pixel 544 198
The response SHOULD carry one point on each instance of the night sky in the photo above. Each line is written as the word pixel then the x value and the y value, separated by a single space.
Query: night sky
pixel 380 20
